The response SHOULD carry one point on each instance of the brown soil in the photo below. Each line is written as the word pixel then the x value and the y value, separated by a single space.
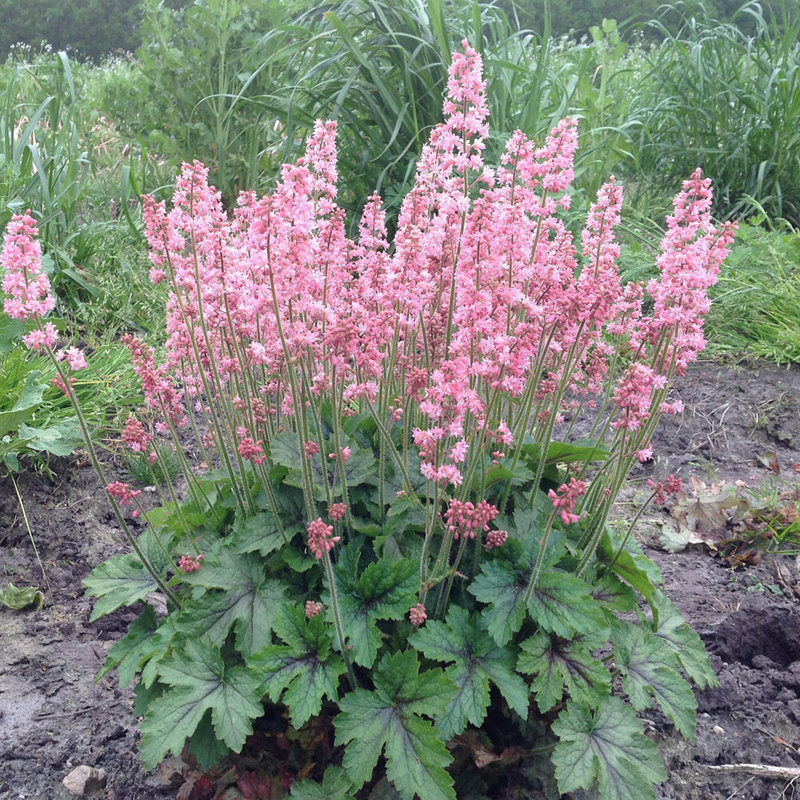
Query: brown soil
pixel 53 716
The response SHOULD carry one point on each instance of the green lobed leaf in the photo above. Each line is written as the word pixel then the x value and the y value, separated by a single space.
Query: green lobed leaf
pixel 259 532
pixel 565 452
pixel 501 585
pixel 204 744
pixel 633 568
pixel 223 568
pixel 302 671
pixel 239 597
pixel 385 589
pixel 144 694
pixel 360 467
pixel 127 654
pixel 404 514
pixel 389 720
pixel 683 641
pixel 123 580
pixel 199 682
pixel 563 604
pixel 559 664
pixel 476 659
pixel 25 405
pixel 246 600
pixel 58 440
pixel 583 450
pixel 285 449
pixel 613 594
pixel 158 648
pixel 527 526
pixel 119 581
pixel 335 786
pixel 649 671
pixel 503 581
pixel 520 475
pixel 606 749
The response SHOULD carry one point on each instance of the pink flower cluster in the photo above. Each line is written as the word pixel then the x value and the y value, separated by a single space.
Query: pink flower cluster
pixel 495 539
pixel 466 519
pixel 160 391
pixel 484 293
pixel 691 254
pixel 666 488
pixel 252 451
pixel 73 357
pixel 321 538
pixel 310 449
pixel 24 281
pixel 566 498
pixel 135 437
pixel 483 306
pixel 417 615
pixel 189 563
pixel 122 492
pixel 312 608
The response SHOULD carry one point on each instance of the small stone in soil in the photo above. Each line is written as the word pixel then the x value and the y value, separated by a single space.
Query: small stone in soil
pixel 84 780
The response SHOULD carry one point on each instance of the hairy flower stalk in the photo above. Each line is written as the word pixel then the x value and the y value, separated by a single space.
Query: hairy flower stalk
pixel 321 541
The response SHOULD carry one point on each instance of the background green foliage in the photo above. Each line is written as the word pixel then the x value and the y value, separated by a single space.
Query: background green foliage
pixel 87 28
pixel 578 17
pixel 730 103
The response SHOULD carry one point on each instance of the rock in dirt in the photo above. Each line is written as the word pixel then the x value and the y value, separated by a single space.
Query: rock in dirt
pixel 83 780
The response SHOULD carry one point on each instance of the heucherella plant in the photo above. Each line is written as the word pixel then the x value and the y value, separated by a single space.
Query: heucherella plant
pixel 380 545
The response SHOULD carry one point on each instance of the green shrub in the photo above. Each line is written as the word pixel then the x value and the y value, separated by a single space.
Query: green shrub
pixel 45 159
pixel 87 29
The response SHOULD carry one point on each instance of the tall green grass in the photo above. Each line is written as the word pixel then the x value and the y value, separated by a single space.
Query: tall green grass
pixel 756 308
pixel 44 161
pixel 729 102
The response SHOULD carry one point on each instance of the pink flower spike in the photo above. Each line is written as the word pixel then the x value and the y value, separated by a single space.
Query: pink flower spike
pixel 190 563
pixel 312 609
pixel 122 492
pixel 74 358
pixel 495 539
pixel 59 384
pixel 24 281
pixel 311 449
pixel 251 450
pixel 321 538
pixel 337 511
pixel 136 437
pixel 466 519
pixel 417 615
pixel 663 489
pixel 566 498
pixel 44 337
